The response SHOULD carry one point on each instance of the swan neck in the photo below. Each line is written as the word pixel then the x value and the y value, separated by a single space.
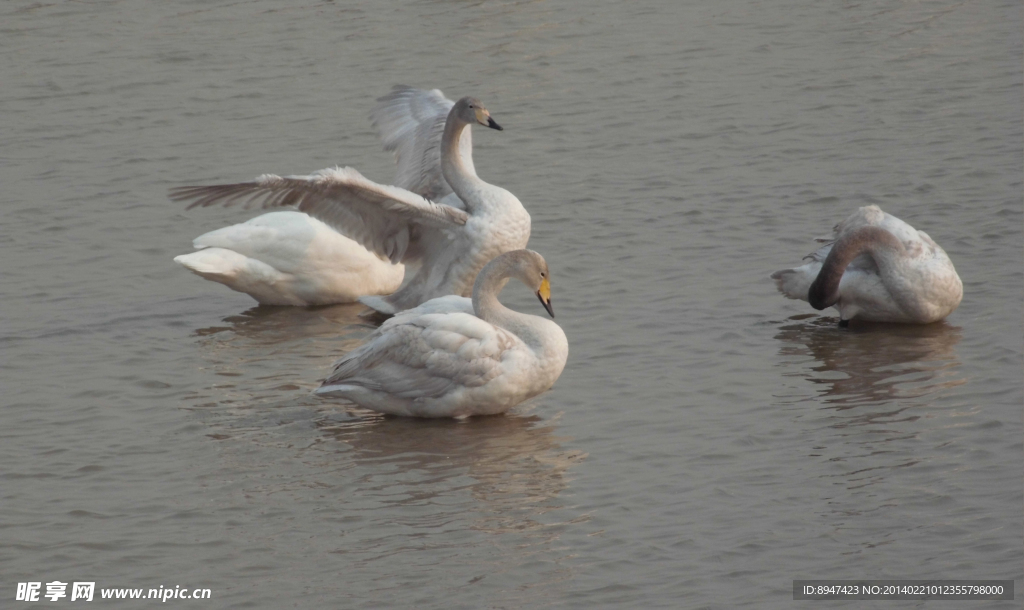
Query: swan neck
pixel 488 308
pixel 488 285
pixel 882 246
pixel 459 176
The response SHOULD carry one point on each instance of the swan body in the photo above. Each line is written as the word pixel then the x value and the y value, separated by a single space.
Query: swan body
pixel 439 215
pixel 877 268
pixel 455 357
pixel 290 258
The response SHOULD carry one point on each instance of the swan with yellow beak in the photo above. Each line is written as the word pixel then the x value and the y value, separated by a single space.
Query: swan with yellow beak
pixel 454 356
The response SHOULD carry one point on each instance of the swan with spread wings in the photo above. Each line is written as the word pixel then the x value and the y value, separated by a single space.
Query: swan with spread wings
pixel 439 216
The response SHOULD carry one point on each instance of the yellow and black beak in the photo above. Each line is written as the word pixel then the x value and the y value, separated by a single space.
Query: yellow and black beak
pixel 544 294
pixel 484 118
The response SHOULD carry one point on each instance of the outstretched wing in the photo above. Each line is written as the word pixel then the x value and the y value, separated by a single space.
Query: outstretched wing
pixel 410 122
pixel 384 219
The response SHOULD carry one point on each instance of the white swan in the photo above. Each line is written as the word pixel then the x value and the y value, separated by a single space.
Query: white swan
pixel 454 357
pixel 452 237
pixel 290 258
pixel 878 268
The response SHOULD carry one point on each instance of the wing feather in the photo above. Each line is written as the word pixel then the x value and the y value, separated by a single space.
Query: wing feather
pixel 426 356
pixel 382 218
pixel 411 122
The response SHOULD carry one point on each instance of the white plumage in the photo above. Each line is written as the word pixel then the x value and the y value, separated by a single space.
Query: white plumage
pixel 289 258
pixel 878 268
pixel 455 357
pixel 440 216
pixel 410 122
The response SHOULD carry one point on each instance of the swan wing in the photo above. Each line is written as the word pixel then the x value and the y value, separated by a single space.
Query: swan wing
pixel 384 219
pixel 451 303
pixel 427 356
pixel 411 122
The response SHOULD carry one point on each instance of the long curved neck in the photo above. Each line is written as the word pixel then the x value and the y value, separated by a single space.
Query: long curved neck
pixel 881 245
pixel 488 285
pixel 460 177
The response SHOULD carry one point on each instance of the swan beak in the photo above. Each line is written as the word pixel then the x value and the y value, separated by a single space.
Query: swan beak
pixel 484 118
pixel 544 294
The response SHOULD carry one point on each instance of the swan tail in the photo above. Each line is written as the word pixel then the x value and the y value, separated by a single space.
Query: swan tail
pixel 215 264
pixel 243 274
pixel 337 390
pixel 795 283
pixel 381 402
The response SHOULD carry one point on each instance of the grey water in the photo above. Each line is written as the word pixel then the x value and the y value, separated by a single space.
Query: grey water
pixel 709 441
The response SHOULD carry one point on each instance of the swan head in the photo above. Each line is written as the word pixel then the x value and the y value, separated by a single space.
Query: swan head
pixel 470 110
pixel 532 270
pixel 527 266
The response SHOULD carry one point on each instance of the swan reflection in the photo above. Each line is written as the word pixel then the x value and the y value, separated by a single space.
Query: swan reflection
pixel 873 363
pixel 268 325
pixel 273 356
pixel 879 389
pixel 513 466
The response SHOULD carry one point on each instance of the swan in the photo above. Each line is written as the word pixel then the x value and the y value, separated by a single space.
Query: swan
pixel 877 268
pixel 451 224
pixel 455 357
pixel 290 258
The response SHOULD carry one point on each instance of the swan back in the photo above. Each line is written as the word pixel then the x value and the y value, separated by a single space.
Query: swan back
pixel 289 258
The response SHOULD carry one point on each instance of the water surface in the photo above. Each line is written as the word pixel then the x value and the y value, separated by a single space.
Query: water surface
pixel 709 441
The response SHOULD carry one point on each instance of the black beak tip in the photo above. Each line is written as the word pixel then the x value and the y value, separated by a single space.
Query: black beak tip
pixel 494 125
pixel 547 306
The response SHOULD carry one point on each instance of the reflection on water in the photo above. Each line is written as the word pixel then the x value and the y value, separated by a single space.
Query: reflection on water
pixel 878 430
pixel 274 356
pixel 270 325
pixel 515 463
pixel 483 496
pixel 874 363
pixel 879 389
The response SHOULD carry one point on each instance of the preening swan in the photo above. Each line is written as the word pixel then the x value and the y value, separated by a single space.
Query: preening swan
pixel 451 236
pixel 289 258
pixel 877 268
pixel 454 357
